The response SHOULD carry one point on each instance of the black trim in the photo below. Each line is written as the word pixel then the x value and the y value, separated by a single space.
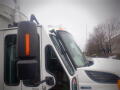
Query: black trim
pixel 102 77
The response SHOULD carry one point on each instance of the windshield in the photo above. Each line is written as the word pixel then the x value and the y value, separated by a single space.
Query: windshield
pixel 72 48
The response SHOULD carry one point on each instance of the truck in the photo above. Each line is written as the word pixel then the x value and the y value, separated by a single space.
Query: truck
pixel 32 58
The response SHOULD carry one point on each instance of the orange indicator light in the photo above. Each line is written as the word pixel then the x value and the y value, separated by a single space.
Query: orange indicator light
pixel 27 44
pixel 118 83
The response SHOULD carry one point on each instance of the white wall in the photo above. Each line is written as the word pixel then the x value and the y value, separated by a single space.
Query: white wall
pixel 10 12
pixel 4 23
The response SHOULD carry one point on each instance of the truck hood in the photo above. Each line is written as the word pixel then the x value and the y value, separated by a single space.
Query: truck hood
pixel 104 65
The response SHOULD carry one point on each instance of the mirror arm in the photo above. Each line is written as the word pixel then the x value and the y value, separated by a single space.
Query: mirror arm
pixel 41 82
pixel 33 18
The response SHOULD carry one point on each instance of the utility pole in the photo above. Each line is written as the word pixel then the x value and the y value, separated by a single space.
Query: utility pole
pixel 17 11
pixel 86 31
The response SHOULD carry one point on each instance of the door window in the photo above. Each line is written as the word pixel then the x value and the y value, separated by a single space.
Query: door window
pixel 55 68
pixel 10 72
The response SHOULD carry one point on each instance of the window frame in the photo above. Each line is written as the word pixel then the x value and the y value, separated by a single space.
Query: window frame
pixel 46 66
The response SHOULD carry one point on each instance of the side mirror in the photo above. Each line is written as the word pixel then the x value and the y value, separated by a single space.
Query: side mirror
pixel 90 63
pixel 28 51
pixel 27 40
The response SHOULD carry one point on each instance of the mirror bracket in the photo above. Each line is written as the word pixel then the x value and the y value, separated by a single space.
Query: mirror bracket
pixel 49 81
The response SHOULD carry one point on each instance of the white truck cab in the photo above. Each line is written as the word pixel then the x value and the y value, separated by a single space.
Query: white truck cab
pixel 32 58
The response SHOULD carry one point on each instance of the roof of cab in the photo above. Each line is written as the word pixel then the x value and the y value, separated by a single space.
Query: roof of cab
pixel 14 28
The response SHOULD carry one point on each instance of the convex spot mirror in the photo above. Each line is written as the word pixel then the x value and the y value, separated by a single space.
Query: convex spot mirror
pixel 27 69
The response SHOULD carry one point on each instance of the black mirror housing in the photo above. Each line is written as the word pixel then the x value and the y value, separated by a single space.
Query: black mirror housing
pixel 28 51
pixel 27 40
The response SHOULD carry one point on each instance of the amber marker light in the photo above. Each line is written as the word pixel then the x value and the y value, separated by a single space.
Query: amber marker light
pixel 27 44
pixel 118 83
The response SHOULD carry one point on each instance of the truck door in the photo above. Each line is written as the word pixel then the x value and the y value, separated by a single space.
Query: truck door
pixel 59 65
pixel 11 82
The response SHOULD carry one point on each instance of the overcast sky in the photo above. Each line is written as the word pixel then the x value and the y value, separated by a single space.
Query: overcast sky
pixel 77 16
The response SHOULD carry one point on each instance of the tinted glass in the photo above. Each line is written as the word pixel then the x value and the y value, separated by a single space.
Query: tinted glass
pixel 10 60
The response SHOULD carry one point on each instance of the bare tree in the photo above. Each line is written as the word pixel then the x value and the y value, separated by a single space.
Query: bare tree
pixel 100 41
pixel 96 43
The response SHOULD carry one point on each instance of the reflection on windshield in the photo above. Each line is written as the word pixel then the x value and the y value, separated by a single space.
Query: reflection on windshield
pixel 72 48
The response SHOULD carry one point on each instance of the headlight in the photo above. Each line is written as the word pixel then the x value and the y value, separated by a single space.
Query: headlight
pixel 74 84
pixel 102 77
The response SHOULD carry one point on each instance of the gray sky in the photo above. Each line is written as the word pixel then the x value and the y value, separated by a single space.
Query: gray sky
pixel 77 16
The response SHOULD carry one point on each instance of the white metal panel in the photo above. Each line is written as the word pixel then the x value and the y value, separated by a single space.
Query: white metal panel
pixel 101 65
pixel 1 61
